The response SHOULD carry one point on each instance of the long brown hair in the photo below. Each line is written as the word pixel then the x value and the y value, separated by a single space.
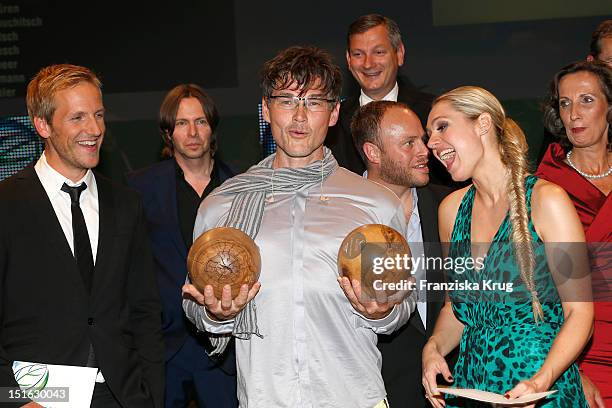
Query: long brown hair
pixel 169 109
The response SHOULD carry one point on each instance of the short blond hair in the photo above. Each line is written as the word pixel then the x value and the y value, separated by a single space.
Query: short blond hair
pixel 40 98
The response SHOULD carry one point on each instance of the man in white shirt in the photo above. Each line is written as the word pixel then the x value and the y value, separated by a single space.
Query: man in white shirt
pixel 374 55
pixel 313 343
pixel 391 141
pixel 78 285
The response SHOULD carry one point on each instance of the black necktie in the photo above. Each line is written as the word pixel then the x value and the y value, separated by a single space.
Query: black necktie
pixel 82 245
pixel 82 248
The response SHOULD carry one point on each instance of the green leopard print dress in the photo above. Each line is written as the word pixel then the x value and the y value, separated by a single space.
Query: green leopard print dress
pixel 501 343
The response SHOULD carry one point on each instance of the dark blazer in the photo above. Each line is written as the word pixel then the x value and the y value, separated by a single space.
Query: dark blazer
pixel 340 140
pixel 157 186
pixel 47 316
pixel 401 350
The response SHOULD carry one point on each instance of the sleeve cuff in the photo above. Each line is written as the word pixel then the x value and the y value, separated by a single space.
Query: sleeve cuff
pixel 198 315
pixel 210 321
pixel 378 325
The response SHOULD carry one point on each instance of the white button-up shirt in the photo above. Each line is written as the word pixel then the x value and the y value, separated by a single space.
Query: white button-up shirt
pixel 52 181
pixel 414 236
pixel 317 350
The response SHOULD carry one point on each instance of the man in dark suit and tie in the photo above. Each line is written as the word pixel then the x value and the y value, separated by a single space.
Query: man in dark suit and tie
pixel 77 286
pixel 172 191
pixel 374 54
pixel 391 140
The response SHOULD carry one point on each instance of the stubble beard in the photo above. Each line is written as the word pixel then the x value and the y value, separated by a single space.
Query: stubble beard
pixel 393 173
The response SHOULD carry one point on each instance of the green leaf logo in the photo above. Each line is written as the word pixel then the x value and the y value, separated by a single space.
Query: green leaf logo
pixel 31 376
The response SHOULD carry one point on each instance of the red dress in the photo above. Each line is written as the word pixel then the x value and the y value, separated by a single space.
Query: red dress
pixel 595 211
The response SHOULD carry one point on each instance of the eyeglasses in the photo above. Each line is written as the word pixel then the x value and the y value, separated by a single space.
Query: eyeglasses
pixel 312 104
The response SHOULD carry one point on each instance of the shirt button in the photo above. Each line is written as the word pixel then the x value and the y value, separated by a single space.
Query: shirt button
pixel 90 321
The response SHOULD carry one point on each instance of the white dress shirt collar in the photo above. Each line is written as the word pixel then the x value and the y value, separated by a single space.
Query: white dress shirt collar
pixel 52 180
pixel 391 96
pixel 414 233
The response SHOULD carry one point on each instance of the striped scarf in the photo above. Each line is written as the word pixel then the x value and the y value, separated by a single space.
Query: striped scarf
pixel 251 191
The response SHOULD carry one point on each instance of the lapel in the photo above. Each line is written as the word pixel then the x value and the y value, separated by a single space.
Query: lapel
pixel 50 230
pixel 406 92
pixel 106 227
pixel 429 216
pixel 417 322
pixel 348 108
pixel 429 227
pixel 166 194
pixel 424 205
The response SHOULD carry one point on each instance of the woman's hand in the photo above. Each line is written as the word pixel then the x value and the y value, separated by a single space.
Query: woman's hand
pixel 540 382
pixel 591 392
pixel 434 364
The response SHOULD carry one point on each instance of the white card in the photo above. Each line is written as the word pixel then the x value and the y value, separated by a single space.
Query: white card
pixel 47 383
pixel 492 398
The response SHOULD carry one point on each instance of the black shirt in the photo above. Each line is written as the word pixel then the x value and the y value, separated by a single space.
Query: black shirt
pixel 188 200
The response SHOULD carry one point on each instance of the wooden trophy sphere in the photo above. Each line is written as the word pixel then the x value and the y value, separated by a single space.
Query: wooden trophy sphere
pixel 357 263
pixel 223 256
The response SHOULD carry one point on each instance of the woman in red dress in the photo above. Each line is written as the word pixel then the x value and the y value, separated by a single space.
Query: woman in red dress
pixel 579 111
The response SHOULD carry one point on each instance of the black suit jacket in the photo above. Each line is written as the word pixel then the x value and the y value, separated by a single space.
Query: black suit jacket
pixel 340 140
pixel 401 350
pixel 46 314
pixel 157 186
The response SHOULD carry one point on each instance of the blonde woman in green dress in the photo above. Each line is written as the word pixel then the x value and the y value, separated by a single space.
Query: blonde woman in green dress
pixel 527 341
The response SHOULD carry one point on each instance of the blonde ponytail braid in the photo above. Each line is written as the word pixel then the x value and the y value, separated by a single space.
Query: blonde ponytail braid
pixel 472 101
pixel 513 149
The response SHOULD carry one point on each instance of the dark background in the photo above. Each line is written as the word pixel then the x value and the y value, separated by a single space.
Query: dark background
pixel 141 49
